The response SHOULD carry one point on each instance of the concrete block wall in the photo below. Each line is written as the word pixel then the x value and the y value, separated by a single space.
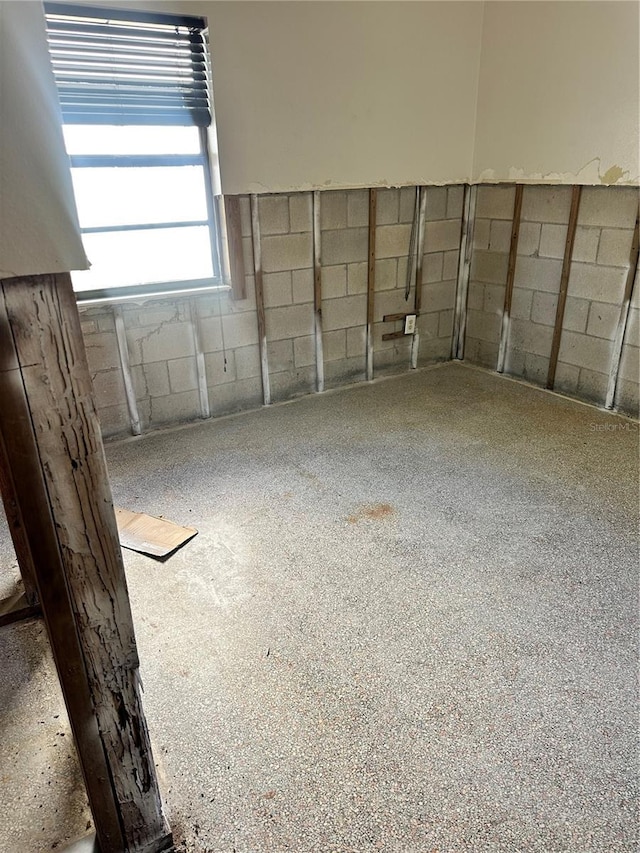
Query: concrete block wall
pixel 600 263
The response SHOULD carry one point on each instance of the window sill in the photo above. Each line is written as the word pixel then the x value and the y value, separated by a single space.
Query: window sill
pixel 139 294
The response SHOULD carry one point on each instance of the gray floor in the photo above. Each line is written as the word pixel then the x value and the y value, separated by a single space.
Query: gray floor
pixel 409 623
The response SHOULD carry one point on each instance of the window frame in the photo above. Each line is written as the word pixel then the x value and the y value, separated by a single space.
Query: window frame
pixel 220 279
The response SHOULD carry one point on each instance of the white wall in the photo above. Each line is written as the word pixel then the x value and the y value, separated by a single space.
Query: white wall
pixel 327 95
pixel 38 222
pixel 559 93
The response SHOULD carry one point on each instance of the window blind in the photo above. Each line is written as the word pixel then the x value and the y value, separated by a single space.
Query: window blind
pixel 115 66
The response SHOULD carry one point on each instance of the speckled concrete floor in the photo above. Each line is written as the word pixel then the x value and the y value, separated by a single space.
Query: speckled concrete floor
pixel 409 623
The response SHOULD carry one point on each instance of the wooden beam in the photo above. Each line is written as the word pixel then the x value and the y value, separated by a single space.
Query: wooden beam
pixel 233 223
pixel 262 326
pixel 394 318
pixel 51 437
pixel 391 336
pixel 511 274
pixel 15 608
pixel 201 369
pixel 371 278
pixel 317 292
pixel 618 341
pixel 125 367
pixel 564 284
pixel 422 215
pixel 464 269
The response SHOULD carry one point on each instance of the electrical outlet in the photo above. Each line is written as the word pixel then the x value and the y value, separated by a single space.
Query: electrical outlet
pixel 409 324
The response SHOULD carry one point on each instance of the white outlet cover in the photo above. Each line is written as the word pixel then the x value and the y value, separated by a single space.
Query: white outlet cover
pixel 409 324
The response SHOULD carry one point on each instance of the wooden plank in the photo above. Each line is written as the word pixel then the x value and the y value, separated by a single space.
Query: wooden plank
pixel 394 318
pixel 391 336
pixel 317 292
pixel 201 369
pixel 147 534
pixel 464 269
pixel 233 222
pixel 623 319
pixel 15 608
pixel 511 274
pixel 564 283
pixel 371 278
pixel 125 367
pixel 257 272
pixel 417 303
pixel 51 433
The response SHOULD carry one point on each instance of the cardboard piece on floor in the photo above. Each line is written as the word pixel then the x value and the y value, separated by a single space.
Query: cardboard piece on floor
pixel 156 537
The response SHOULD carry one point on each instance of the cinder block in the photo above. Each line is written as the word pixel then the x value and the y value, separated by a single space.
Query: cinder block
pixel 567 376
pixel 345 247
pixel 432 267
pixel 530 337
pixel 344 372
pixel 440 296
pixel 475 295
pixel 273 211
pixel 538 274
pixel 546 204
pixel 302 283
pixel 108 388
pixel 277 289
pixel 300 216
pixel 628 398
pixel 292 321
pixel 442 235
pixel 585 246
pixel 615 247
pixel 240 330
pixel 88 326
pixel 455 202
pixel 102 351
pixel 357 278
pixel 483 326
pixel 428 325
pixel 584 350
pixel 486 354
pixel 450 265
pixel 436 203
pixel 495 202
pixel 357 208
pixel 334 345
pixel 489 267
pixel 521 302
pixel 304 351
pixel 173 340
pixel 500 235
pixel 630 364
pixel 334 281
pixel 576 312
pixel 183 375
pixel 280 355
pixel 632 332
pixel 433 350
pixel 390 302
pixel 333 210
pixel 407 204
pixel 386 274
pixel 247 360
pixel 599 284
pixel 287 385
pixel 603 320
pixel 114 420
pixel 356 341
pixel 612 207
pixel 494 298
pixel 529 238
pixel 154 379
pixel 175 408
pixel 387 207
pixel 220 367
pixel 552 241
pixel 445 324
pixel 481 234
pixel 536 368
pixel 544 308
pixel 106 321
pixel 236 396
pixel 288 252
pixel 342 313
pixel 392 241
pixel 592 385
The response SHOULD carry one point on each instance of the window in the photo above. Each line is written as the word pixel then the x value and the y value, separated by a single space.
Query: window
pixel 133 89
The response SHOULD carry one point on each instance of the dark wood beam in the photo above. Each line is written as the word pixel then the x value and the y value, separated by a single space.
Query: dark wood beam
pixel 52 442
